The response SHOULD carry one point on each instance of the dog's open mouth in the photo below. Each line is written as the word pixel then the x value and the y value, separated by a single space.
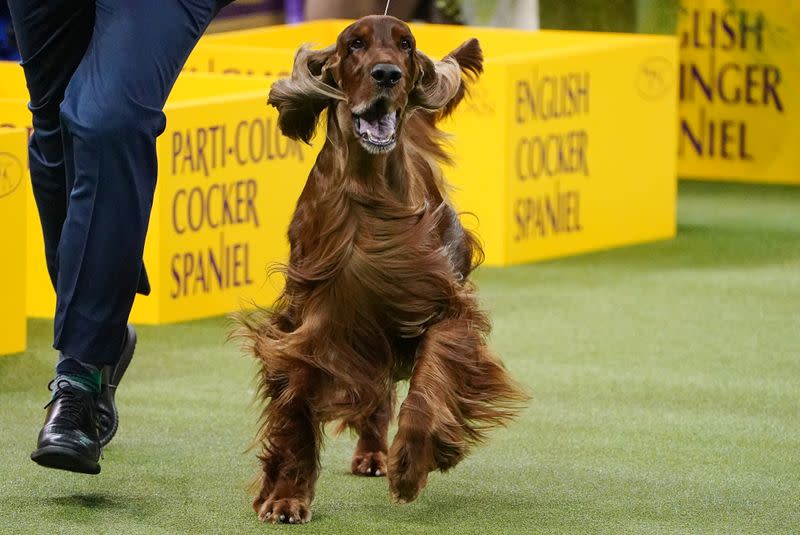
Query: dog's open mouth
pixel 376 127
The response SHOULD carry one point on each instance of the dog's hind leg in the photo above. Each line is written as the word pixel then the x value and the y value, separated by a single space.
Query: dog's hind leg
pixel 458 391
pixel 369 459
pixel 290 456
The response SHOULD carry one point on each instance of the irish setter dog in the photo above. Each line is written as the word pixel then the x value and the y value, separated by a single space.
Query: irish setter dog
pixel 377 286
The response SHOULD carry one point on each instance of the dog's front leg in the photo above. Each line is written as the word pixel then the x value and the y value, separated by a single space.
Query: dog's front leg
pixel 289 460
pixel 458 391
pixel 429 435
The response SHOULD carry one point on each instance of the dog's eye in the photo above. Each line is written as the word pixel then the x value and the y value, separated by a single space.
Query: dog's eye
pixel 405 44
pixel 356 44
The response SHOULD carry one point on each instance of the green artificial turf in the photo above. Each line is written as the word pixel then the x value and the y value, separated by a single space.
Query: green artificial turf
pixel 667 386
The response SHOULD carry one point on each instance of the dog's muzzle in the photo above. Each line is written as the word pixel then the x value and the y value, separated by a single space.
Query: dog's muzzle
pixel 376 127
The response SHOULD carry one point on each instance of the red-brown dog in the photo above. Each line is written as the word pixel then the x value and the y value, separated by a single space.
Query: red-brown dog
pixel 377 285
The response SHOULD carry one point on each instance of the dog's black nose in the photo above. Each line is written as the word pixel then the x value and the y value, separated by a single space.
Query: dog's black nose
pixel 386 74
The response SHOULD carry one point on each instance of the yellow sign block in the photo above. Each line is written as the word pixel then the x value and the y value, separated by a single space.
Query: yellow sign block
pixel 567 145
pixel 13 184
pixel 227 185
pixel 238 60
pixel 14 113
pixel 739 98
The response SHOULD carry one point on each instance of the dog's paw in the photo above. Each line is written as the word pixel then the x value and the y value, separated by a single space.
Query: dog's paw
pixel 409 465
pixel 369 464
pixel 283 511
pixel 405 488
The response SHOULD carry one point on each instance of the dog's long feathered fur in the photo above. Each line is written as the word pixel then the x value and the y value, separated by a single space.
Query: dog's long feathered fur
pixel 377 289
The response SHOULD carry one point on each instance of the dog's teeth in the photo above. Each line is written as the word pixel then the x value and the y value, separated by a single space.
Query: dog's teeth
pixel 377 472
pixel 283 517
pixel 369 470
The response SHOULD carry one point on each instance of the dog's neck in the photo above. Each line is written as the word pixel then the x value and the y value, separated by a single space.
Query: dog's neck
pixel 363 173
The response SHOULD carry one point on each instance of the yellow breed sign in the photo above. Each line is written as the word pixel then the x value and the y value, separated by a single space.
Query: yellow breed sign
pixel 227 186
pixel 13 185
pixel 228 182
pixel 739 98
pixel 590 157
pixel 566 146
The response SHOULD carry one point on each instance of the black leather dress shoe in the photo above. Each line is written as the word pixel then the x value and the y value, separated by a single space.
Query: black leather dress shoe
pixel 68 440
pixel 107 416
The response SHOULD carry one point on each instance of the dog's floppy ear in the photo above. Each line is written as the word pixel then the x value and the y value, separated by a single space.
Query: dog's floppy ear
pixel 301 98
pixel 440 85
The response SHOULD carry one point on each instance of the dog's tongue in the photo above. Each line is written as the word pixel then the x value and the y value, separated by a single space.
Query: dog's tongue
pixel 380 129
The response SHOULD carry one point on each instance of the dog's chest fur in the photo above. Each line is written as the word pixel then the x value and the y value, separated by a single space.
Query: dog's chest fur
pixel 392 269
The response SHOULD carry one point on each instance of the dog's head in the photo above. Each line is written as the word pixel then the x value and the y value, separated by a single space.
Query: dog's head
pixel 374 76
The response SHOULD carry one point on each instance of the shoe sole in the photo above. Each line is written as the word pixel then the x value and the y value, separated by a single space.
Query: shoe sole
pixel 124 358
pixel 104 440
pixel 62 458
pixel 115 377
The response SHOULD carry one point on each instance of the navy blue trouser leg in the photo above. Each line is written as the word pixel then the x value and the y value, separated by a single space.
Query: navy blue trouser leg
pixel 99 73
pixel 52 38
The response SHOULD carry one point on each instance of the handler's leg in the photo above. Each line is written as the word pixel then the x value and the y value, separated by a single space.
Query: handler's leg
pixel 52 38
pixel 110 117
